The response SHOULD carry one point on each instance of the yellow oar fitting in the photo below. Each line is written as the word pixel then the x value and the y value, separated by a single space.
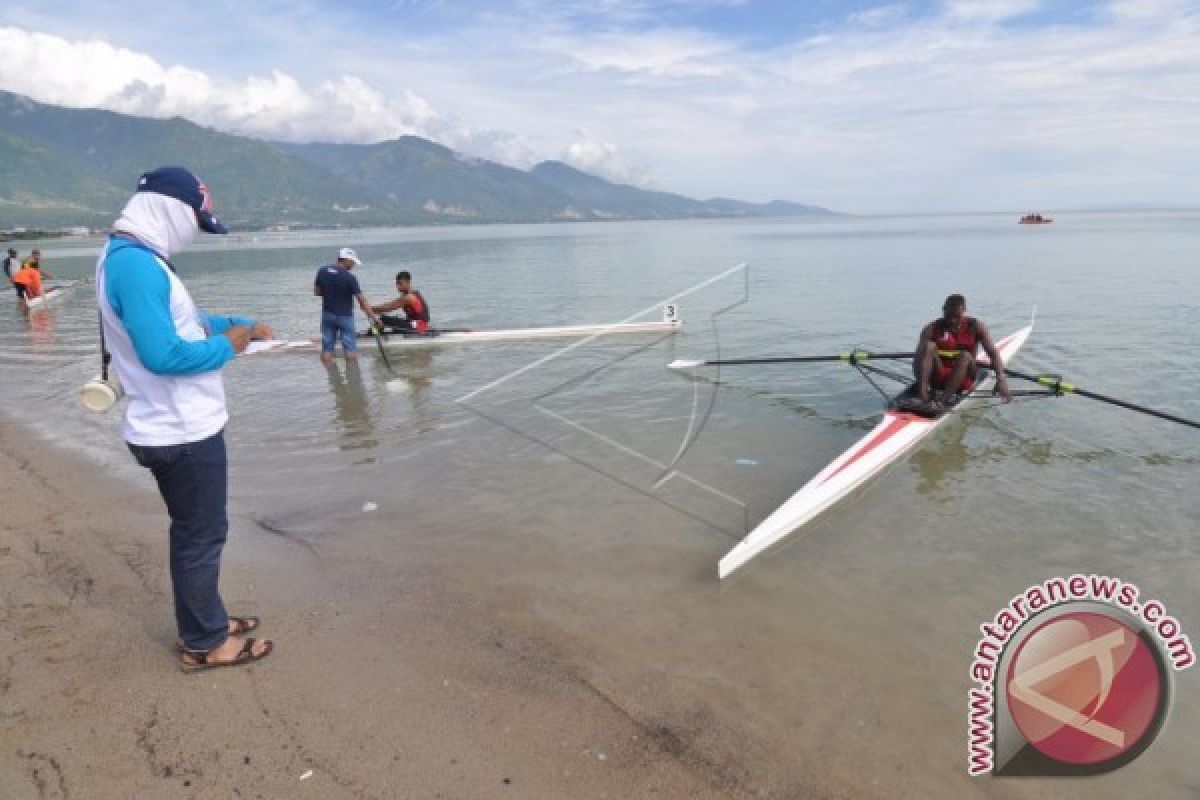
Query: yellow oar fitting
pixel 1055 383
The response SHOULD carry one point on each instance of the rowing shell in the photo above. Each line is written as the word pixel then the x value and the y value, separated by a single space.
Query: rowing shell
pixel 898 433
pixel 669 324
pixel 49 296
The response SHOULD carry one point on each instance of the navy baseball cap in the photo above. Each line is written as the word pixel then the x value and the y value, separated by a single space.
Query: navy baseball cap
pixel 181 184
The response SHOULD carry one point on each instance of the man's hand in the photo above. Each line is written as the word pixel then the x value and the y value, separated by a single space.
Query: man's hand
pixel 261 332
pixel 1003 390
pixel 238 336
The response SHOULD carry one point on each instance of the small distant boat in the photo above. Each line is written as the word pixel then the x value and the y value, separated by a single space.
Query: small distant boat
pixel 1035 219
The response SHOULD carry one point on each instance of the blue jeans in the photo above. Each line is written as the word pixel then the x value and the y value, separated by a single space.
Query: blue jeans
pixel 192 479
pixel 331 326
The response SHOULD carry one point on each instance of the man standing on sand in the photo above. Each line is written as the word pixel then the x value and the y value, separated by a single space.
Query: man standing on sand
pixel 945 356
pixel 168 355
pixel 338 289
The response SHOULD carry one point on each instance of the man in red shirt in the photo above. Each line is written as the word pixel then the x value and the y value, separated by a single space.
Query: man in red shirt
pixel 411 302
pixel 945 354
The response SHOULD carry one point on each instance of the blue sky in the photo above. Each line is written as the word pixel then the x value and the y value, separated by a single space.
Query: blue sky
pixel 859 106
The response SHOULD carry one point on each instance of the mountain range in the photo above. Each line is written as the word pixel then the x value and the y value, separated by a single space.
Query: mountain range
pixel 66 166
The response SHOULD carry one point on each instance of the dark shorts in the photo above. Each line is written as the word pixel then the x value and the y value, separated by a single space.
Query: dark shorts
pixel 21 289
pixel 333 327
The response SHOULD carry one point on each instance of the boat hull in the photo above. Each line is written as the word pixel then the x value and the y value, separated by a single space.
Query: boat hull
pixel 48 297
pixel 897 434
pixel 406 342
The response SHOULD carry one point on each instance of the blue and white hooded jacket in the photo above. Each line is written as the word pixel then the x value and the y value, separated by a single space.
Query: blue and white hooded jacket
pixel 167 353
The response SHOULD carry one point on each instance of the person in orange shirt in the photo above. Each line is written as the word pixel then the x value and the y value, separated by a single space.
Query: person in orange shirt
pixel 28 280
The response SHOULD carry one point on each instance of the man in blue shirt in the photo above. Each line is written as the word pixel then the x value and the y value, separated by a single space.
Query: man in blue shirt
pixel 338 289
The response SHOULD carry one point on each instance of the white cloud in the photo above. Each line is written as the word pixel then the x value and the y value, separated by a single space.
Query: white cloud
pixel 95 74
pixel 657 54
pixel 590 153
pixel 988 10
pixel 970 104
pixel 879 16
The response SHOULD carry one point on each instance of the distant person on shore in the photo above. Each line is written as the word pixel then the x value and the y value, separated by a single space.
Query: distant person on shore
pixel 28 279
pixel 11 265
pixel 168 355
pixel 411 302
pixel 945 357
pixel 338 289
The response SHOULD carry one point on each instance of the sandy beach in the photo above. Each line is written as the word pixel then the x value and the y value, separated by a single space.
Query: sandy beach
pixel 419 694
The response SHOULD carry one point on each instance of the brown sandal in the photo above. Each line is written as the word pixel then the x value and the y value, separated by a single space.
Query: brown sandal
pixel 245 656
pixel 241 626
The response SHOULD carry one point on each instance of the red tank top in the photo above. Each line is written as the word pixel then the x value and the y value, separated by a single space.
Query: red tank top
pixel 952 341
pixel 417 311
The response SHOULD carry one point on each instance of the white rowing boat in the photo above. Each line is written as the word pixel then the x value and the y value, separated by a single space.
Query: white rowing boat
pixel 50 295
pixel 670 323
pixel 898 433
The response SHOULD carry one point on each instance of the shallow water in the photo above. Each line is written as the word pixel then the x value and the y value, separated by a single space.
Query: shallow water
pixel 839 663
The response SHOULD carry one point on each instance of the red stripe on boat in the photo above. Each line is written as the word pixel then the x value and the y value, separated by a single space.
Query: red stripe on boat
pixel 898 423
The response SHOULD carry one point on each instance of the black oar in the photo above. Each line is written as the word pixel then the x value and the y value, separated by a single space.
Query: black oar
pixel 1058 386
pixel 379 336
pixel 853 357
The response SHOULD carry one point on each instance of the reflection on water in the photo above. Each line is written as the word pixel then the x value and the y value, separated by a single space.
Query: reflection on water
pixel 351 408
pixel 944 462
pixel 411 375
pixel 850 622
pixel 41 329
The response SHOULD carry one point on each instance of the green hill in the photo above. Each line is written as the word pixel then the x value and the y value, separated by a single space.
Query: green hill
pixel 64 166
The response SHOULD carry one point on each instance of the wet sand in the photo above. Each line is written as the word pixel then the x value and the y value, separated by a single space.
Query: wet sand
pixel 497 632
pixel 378 688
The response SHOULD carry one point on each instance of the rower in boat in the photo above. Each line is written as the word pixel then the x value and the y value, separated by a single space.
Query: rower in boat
pixel 945 356
pixel 411 302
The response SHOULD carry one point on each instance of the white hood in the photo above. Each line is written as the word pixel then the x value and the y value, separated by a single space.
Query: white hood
pixel 163 223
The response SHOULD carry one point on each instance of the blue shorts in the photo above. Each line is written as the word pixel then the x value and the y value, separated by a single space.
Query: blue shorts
pixel 333 326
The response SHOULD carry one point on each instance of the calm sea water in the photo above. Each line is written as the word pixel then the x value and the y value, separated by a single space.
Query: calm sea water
pixel 847 651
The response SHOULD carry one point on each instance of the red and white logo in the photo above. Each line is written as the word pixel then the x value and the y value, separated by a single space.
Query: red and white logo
pixel 1072 677
pixel 1084 688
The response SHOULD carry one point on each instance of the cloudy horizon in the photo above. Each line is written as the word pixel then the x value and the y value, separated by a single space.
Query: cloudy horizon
pixel 961 105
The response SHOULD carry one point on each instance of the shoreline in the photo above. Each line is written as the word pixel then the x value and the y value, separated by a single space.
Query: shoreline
pixel 403 690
